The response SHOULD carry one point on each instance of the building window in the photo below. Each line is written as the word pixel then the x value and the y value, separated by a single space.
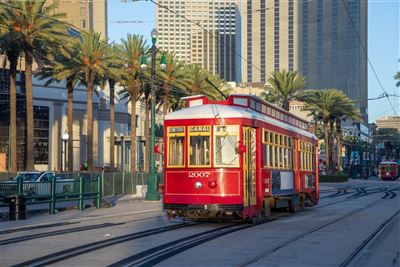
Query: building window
pixel 41 134
pixel 83 23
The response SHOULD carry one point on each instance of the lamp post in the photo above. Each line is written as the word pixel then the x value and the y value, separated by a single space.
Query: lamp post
pixel 152 193
pixel 65 138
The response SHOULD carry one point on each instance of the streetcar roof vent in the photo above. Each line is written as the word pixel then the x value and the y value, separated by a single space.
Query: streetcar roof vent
pixel 196 100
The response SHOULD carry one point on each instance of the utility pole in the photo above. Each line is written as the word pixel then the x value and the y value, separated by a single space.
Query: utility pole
pixel 152 192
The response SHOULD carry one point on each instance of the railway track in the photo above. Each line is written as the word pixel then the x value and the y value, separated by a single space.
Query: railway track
pixel 389 193
pixel 36 227
pixel 352 258
pixel 57 232
pixel 160 253
pixel 308 232
pixel 83 249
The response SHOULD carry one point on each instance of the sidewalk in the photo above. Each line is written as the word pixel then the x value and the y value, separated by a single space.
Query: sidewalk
pixel 68 211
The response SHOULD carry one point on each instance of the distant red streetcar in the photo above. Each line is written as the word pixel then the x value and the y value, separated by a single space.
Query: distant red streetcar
pixel 237 158
pixel 389 170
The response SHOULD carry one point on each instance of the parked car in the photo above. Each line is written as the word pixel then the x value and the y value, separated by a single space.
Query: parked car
pixel 36 184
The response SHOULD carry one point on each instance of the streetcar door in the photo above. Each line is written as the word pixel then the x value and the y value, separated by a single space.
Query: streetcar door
pixel 249 166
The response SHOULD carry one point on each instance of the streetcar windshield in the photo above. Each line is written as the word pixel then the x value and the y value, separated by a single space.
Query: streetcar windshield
pixel 225 142
pixel 199 146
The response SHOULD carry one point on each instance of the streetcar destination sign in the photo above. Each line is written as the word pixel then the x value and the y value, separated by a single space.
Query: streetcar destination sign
pixel 176 129
pixel 199 128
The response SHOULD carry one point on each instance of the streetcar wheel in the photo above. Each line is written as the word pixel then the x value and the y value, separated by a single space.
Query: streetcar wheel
pixel 293 207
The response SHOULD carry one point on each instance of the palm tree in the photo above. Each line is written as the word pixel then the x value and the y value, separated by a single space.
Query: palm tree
pixel 325 103
pixel 346 110
pixel 213 93
pixel 94 56
pixel 10 49
pixel 196 78
pixel 114 75
pixel 63 65
pixel 173 77
pixel 146 90
pixel 36 27
pixel 284 86
pixel 196 82
pixel 130 52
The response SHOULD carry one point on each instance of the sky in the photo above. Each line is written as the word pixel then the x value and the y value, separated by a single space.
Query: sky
pixel 383 44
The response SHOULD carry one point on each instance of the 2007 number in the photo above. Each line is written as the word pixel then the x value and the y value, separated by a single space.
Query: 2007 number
pixel 199 174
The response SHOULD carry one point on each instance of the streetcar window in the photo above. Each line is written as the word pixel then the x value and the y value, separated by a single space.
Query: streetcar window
pixel 252 104
pixel 306 155
pixel 258 106
pixel 226 139
pixel 264 109
pixel 240 101
pixel 199 151
pixel 199 146
pixel 176 146
pixel 277 150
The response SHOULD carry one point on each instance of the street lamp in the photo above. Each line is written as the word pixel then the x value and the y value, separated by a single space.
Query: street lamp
pixel 152 193
pixel 65 138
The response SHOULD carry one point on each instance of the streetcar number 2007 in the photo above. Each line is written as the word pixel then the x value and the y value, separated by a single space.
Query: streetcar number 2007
pixel 199 174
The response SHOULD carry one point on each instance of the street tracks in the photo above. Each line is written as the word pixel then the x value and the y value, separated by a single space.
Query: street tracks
pixel 370 239
pixel 358 192
pixel 299 236
pixel 160 253
pixel 83 249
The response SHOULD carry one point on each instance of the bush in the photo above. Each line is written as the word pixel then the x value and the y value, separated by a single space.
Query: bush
pixel 333 178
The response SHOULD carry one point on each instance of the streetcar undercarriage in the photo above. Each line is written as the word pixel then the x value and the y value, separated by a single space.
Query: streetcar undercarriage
pixel 200 212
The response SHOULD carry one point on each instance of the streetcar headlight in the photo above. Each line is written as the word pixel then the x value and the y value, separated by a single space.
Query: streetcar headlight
pixel 198 185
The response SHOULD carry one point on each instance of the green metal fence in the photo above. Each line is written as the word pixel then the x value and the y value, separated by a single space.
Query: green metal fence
pixel 114 183
pixel 54 191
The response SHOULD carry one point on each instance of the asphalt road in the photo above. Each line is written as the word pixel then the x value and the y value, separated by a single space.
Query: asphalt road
pixel 355 224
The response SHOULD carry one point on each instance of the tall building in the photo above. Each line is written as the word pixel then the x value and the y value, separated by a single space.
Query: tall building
pixel 389 122
pixel 211 45
pixel 320 39
pixel 86 15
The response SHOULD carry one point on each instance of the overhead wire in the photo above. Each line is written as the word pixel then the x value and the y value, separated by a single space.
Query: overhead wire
pixel 383 95
pixel 368 59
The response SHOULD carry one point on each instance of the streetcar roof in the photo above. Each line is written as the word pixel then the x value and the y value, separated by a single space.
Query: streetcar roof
pixel 389 162
pixel 215 111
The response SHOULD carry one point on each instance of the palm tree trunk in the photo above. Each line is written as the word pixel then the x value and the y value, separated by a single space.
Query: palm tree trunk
pixel 90 124
pixel 112 124
pixel 133 129
pixel 326 141
pixel 285 105
pixel 30 152
pixel 13 114
pixel 147 134
pixel 165 100
pixel 339 142
pixel 332 146
pixel 70 90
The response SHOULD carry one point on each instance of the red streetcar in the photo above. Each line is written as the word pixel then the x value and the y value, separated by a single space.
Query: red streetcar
pixel 389 170
pixel 237 158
